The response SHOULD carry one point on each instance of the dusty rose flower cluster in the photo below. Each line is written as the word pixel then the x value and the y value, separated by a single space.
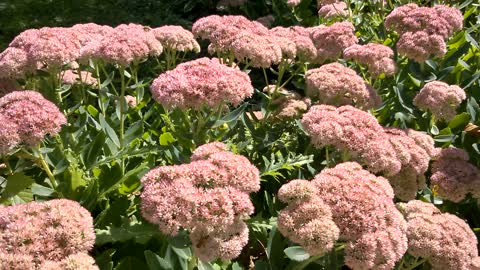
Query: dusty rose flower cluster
pixel 377 58
pixel 362 207
pixel 338 9
pixel 338 85
pixel 177 38
pixel 330 41
pixel 440 99
pixel 353 132
pixel 305 49
pixel 73 77
pixel 15 63
pixel 307 220
pixel 123 45
pixel 453 177
pixel 424 30
pixel 402 155
pixel 38 232
pixel 200 82
pixel 444 239
pixel 29 117
pixel 208 196
pixel 414 157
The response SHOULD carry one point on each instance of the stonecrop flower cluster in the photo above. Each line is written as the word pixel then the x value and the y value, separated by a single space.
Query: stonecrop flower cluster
pixel 423 30
pixel 27 117
pixel 174 37
pixel 201 82
pixel 208 197
pixel 350 204
pixel 440 99
pixel 335 84
pixel 444 239
pixel 402 156
pixel 42 235
pixel 377 58
pixel 453 177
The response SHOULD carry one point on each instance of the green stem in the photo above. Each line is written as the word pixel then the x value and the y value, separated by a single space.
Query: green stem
pixel 99 84
pixel 43 164
pixel 265 76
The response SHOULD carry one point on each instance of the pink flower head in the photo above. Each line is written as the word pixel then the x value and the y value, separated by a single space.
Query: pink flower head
pixel 453 177
pixel 355 132
pixel 200 82
pixel 293 3
pixel 259 50
pixel 213 27
pixel 177 38
pixel 444 239
pixel 308 222
pixel 208 195
pixel 226 244
pixel 51 230
pixel 9 137
pixel 377 57
pixel 330 41
pixel 420 46
pixel 72 77
pixel 338 85
pixel 14 63
pixel 305 50
pixel 90 32
pixel 123 45
pixel 338 9
pixel 16 262
pixel 78 261
pixel 205 151
pixel 414 159
pixel 34 115
pixel 131 100
pixel 440 99
pixel 363 209
pixel 49 46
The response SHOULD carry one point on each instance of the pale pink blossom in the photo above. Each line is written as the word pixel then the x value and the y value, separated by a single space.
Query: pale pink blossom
pixel 377 57
pixel 420 46
pixel 49 47
pixel 34 115
pixel 305 50
pixel 338 9
pixel 226 244
pixel 177 38
pixel 440 99
pixel 15 63
pixel 259 50
pixel 131 100
pixel 16 261
pixel 293 3
pixel 335 84
pixel 453 177
pixel 78 261
pixel 205 151
pixel 444 239
pixel 123 45
pixel 201 82
pixel 90 32
pixel 72 77
pixel 307 220
pixel 330 41
pixel 209 197
pixel 353 132
pixel 9 137
pixel 363 209
pixel 51 230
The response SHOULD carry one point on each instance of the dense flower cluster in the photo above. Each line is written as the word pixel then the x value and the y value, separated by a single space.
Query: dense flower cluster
pixel 424 30
pixel 414 159
pixel 200 82
pixel 330 41
pixel 453 177
pixel 377 57
pixel 305 49
pixel 123 45
pixel 45 231
pixel 177 38
pixel 88 32
pixel 362 207
pixel 352 131
pixel 209 194
pixel 14 63
pixel 31 117
pixel 444 239
pixel 306 220
pixel 338 9
pixel 73 77
pixel 338 85
pixel 440 99
pixel 78 261
pixel 402 155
